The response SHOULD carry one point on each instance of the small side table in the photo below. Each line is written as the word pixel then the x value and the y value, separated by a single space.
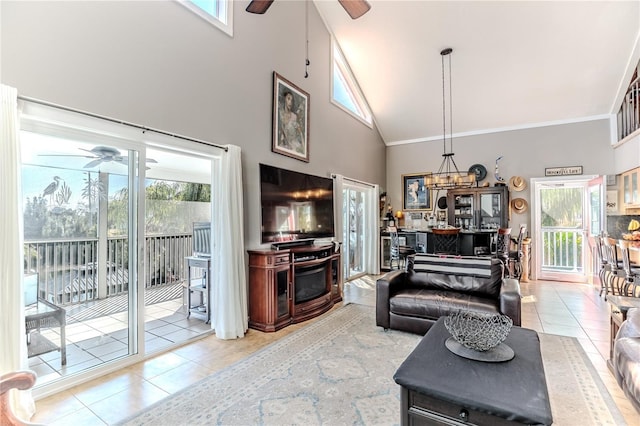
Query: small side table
pixel 620 305
pixel 45 314
pixel 202 287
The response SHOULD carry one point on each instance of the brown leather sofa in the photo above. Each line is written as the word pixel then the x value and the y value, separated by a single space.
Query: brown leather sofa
pixel 626 357
pixel 433 286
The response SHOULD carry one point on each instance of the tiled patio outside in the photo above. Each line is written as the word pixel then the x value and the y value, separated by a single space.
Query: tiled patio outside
pixel 96 334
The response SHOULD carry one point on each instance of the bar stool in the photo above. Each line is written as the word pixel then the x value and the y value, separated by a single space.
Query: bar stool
pixel 397 252
pixel 515 256
pixel 602 263
pixel 503 243
pixel 631 284
pixel 445 241
pixel 614 274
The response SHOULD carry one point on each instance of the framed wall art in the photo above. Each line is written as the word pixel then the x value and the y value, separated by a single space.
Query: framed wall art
pixel 290 119
pixel 415 196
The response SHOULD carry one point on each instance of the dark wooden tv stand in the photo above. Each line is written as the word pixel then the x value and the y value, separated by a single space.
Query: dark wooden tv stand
pixel 274 302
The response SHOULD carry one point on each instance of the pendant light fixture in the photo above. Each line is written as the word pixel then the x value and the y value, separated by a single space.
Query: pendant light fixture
pixel 448 176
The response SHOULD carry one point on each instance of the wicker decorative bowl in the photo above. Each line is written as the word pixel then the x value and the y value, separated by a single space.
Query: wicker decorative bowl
pixel 480 332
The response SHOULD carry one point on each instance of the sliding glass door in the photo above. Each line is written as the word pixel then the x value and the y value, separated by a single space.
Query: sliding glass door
pixel 108 212
pixel 80 205
pixel 359 224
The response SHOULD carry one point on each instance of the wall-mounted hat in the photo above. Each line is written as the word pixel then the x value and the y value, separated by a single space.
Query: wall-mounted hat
pixel 519 205
pixel 517 183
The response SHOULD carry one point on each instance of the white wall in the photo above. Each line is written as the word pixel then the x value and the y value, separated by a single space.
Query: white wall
pixel 157 64
pixel 627 155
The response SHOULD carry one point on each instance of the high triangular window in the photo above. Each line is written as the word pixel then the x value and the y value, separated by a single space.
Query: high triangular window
pixel 345 91
pixel 217 12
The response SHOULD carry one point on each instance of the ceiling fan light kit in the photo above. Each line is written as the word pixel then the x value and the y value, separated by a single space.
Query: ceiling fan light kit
pixel 448 176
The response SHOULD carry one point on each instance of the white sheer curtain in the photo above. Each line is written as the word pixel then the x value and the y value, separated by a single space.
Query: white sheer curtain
pixel 13 347
pixel 338 208
pixel 229 313
pixel 372 232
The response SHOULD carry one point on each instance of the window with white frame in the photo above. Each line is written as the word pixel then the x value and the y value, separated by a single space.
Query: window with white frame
pixel 345 92
pixel 217 12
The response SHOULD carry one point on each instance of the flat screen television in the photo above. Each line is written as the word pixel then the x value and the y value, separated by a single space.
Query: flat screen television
pixel 295 206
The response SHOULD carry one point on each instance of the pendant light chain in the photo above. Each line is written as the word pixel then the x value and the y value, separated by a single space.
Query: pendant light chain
pixel 450 109
pixel 448 175
pixel 306 51
pixel 444 114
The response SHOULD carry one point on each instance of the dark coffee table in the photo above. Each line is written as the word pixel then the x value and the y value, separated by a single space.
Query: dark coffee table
pixel 439 387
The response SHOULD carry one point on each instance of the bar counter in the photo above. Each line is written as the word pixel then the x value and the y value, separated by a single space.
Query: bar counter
pixel 471 242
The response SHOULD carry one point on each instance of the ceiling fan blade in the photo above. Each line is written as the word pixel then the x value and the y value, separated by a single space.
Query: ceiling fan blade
pixel 355 8
pixel 93 163
pixel 66 155
pixel 259 6
pixel 125 159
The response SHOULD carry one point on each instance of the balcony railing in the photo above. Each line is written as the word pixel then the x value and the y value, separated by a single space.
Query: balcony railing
pixel 68 273
pixel 629 114
pixel 562 250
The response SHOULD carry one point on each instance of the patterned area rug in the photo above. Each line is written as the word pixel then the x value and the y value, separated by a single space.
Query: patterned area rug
pixel 339 370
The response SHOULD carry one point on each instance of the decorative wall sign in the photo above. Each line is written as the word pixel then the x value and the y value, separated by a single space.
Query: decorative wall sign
pixel 563 171
pixel 290 119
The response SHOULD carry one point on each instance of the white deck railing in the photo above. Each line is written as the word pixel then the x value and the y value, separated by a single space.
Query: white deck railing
pixel 67 272
pixel 562 249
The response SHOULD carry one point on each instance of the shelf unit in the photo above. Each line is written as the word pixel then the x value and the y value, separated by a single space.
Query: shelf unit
pixel 479 208
pixel 198 286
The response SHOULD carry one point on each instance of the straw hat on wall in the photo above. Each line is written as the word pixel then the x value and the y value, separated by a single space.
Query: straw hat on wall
pixel 517 183
pixel 519 205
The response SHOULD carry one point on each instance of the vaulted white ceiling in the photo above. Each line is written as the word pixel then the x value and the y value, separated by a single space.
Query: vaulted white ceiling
pixel 515 64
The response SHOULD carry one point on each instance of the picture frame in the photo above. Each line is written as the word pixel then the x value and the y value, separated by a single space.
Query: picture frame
pixel 290 119
pixel 415 196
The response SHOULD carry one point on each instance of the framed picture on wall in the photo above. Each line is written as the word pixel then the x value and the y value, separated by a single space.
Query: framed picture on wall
pixel 415 196
pixel 290 119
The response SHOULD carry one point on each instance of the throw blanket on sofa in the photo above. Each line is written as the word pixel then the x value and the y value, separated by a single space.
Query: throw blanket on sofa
pixel 451 265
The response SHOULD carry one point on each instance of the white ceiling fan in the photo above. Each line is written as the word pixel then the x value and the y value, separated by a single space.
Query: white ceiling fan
pixel 355 8
pixel 100 154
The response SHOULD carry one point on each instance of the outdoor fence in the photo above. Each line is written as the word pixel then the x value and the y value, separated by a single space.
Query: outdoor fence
pixel 68 271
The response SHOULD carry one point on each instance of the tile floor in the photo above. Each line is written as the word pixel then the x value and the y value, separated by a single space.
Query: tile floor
pixel 94 341
pixel 550 307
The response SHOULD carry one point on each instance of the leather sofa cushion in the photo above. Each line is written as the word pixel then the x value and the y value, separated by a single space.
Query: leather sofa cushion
pixel 481 276
pixel 434 303
pixel 626 357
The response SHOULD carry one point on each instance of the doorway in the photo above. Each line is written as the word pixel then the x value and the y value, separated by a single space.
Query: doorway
pixel 357 226
pixel 561 220
pixel 354 223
